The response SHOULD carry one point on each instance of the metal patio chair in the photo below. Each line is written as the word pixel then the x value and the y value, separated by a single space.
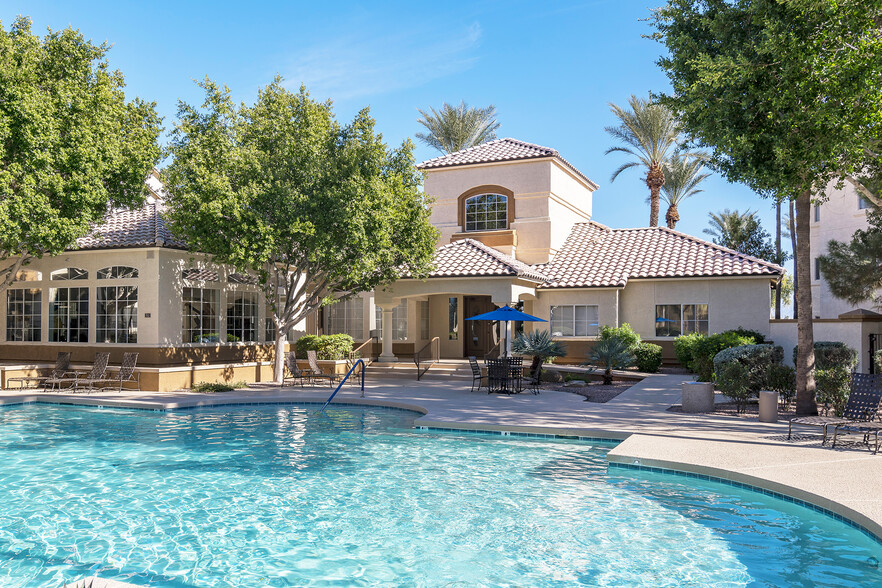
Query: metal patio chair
pixel 294 371
pixel 72 379
pixel 477 376
pixel 315 372
pixel 115 379
pixel 862 406
pixel 62 366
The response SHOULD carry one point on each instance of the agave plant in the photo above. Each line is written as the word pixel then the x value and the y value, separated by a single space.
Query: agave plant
pixel 610 354
pixel 539 345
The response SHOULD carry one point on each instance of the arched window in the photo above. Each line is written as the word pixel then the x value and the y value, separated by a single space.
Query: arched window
pixel 486 212
pixel 117 272
pixel 69 273
pixel 27 275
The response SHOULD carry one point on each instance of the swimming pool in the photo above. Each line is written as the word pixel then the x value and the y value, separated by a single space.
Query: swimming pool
pixel 280 496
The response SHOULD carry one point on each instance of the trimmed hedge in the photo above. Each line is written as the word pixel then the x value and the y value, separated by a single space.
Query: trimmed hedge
pixel 325 346
pixel 625 333
pixel 648 356
pixel 706 348
pixel 832 354
pixel 757 359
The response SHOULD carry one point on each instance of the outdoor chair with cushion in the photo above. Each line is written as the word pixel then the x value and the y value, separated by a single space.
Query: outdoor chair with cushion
pixel 478 378
pixel 73 379
pixel 315 372
pixel 862 406
pixel 293 370
pixel 62 365
pixel 116 378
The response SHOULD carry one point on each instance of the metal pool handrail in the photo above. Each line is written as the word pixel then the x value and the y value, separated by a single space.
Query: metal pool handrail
pixel 343 381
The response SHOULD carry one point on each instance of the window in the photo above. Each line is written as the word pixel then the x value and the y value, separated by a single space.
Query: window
pixel 242 317
pixel 424 319
pixel 117 314
pixel 23 314
pixel 817 213
pixel 574 321
pixel 346 317
pixel 399 321
pixel 863 203
pixel 117 272
pixel 269 326
pixel 673 320
pixel 453 318
pixel 69 273
pixel 817 268
pixel 201 315
pixel 486 212
pixel 26 275
pixel 69 315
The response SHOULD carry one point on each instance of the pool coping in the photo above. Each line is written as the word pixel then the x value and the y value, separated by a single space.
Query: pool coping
pixel 790 493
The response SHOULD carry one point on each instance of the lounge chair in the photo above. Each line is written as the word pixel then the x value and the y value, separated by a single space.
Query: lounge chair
pixel 116 379
pixel 477 377
pixel 869 429
pixel 72 379
pixel 862 406
pixel 294 371
pixel 315 372
pixel 62 366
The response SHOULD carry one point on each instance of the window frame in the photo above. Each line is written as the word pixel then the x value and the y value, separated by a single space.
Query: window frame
pixel 82 328
pixel 112 272
pixel 499 215
pixel 573 318
pixel 352 320
pixel 36 324
pixel 397 321
pixel 66 274
pixel 242 332
pixel 188 333
pixel 682 320
pixel 125 316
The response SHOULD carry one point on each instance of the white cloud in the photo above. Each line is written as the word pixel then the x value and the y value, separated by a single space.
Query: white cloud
pixel 353 66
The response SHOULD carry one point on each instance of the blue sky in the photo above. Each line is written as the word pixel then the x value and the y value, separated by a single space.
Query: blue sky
pixel 549 68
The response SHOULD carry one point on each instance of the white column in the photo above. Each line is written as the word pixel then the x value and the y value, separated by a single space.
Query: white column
pixel 386 355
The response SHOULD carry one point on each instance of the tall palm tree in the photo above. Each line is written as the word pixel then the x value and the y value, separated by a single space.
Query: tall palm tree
pixel 729 226
pixel 683 174
pixel 454 128
pixel 651 133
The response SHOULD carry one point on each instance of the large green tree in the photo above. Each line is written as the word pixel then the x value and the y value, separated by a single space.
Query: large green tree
pixel 70 143
pixel 788 96
pixel 853 270
pixel 651 135
pixel 313 207
pixel 453 128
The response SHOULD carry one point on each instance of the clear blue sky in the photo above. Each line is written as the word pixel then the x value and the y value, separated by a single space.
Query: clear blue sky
pixel 549 68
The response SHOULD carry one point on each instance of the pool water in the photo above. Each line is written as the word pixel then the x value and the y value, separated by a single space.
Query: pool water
pixel 282 496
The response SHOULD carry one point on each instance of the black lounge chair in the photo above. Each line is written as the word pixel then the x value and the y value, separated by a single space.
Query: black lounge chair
pixel 870 429
pixel 62 366
pixel 294 371
pixel 862 406
pixel 72 379
pixel 477 376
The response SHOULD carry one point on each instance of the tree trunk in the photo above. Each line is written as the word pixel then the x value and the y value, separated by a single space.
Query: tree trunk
pixel 805 356
pixel 279 356
pixel 655 179
pixel 672 217
pixel 793 245
pixel 778 253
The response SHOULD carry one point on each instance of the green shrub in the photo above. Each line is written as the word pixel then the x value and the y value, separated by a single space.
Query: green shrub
pixel 625 333
pixel 758 359
pixel 832 354
pixel 705 349
pixel 833 386
pixel 647 357
pixel 211 387
pixel 325 346
pixel 684 346
pixel 758 338
pixel 782 379
pixel 733 381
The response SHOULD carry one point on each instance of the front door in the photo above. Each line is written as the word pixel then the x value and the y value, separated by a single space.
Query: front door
pixel 479 337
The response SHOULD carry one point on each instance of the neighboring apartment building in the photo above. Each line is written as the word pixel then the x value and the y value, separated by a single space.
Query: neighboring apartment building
pixel 836 219
pixel 516 228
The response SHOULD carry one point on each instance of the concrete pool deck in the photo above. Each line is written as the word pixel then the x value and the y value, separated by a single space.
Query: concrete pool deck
pixel 845 481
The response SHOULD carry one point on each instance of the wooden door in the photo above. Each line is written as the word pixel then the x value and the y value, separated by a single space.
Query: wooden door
pixel 479 335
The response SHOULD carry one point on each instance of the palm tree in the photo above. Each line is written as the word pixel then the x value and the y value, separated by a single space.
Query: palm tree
pixel 729 226
pixel 683 174
pixel 457 127
pixel 651 133
pixel 540 346
pixel 610 354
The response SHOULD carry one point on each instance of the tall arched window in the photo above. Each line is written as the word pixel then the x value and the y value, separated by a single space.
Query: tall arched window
pixel 486 212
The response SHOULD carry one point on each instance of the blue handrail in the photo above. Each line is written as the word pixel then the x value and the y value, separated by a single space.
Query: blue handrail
pixel 346 377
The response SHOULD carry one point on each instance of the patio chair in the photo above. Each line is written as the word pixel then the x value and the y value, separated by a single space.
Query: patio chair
pixel 499 376
pixel 116 379
pixel 62 365
pixel 477 377
pixel 315 372
pixel 868 429
pixel 294 371
pixel 862 406
pixel 532 380
pixel 72 379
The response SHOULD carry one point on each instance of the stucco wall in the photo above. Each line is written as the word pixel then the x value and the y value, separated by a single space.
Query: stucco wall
pixel 855 334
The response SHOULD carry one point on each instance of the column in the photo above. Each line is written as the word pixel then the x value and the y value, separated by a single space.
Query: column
pixel 386 355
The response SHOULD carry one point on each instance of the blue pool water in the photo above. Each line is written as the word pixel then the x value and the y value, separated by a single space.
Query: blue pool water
pixel 281 496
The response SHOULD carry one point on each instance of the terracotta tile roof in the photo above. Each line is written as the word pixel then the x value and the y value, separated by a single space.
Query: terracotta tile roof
pixel 500 150
pixel 143 227
pixel 468 257
pixel 595 256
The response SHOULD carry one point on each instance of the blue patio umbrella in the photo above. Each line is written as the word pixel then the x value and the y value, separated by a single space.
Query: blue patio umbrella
pixel 507 314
